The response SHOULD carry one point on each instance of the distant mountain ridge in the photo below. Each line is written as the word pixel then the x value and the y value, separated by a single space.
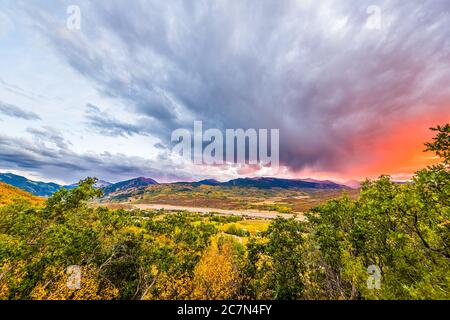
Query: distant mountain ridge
pixel 45 189
pixel 100 184
pixel 208 182
pixel 36 188
pixel 354 184
pixel 268 183
pixel 128 184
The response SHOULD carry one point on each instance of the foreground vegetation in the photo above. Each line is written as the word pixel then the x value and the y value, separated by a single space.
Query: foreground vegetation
pixel 401 230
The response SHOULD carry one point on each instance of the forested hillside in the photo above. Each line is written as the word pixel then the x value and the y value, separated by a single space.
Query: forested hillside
pixel 400 233
pixel 37 188
pixel 10 194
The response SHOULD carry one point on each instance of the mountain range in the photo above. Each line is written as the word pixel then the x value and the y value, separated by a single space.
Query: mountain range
pixel 45 189
pixel 36 188
pixel 128 184
pixel 269 183
pixel 99 185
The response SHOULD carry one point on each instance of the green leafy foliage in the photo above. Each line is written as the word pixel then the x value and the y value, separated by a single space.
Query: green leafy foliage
pixel 441 142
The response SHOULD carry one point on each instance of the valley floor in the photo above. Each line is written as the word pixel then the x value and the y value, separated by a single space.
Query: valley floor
pixel 247 213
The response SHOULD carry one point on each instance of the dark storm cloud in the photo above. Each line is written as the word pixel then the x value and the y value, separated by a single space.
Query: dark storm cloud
pixel 309 68
pixel 17 112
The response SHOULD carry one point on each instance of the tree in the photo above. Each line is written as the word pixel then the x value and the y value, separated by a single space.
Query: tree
pixel 277 264
pixel 92 287
pixel 73 199
pixel 441 143
pixel 216 274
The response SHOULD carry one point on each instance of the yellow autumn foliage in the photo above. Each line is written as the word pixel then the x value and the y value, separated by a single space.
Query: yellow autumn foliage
pixel 10 272
pixel 171 287
pixel 10 194
pixel 92 287
pixel 216 275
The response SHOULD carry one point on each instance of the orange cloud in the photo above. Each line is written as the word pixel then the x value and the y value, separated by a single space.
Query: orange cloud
pixel 397 150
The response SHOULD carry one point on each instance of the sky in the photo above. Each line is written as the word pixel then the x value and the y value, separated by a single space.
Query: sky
pixel 353 86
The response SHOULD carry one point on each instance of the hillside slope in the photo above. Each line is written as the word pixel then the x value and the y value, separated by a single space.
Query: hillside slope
pixel 36 188
pixel 128 184
pixel 9 194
